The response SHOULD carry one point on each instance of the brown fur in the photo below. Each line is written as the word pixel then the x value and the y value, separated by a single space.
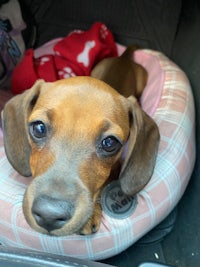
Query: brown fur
pixel 122 73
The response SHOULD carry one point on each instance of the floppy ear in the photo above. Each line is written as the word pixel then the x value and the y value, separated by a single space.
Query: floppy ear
pixel 15 129
pixel 139 163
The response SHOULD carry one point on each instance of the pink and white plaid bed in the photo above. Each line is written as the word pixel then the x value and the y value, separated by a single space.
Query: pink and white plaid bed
pixel 168 99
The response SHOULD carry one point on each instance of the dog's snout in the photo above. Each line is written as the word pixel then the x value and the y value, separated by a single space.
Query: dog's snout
pixel 51 213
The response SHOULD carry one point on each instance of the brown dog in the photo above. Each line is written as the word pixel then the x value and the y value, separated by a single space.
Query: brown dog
pixel 70 136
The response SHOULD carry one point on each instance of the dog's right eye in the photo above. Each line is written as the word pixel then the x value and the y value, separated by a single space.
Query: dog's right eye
pixel 38 129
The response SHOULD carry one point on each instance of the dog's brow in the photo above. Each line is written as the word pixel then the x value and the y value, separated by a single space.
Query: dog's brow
pixel 44 107
pixel 105 125
pixel 42 113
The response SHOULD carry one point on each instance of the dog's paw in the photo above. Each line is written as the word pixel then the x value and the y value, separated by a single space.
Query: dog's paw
pixel 93 225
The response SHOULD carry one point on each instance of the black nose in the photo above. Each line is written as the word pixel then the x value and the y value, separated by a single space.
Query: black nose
pixel 51 213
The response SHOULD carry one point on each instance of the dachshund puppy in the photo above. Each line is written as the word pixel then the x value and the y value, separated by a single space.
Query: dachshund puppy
pixel 71 137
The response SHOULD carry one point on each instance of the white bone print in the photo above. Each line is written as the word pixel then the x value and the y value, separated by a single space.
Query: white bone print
pixel 83 57
pixel 104 31
pixel 43 60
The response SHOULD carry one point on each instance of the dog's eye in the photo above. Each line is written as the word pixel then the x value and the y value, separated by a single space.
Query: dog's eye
pixel 38 129
pixel 111 144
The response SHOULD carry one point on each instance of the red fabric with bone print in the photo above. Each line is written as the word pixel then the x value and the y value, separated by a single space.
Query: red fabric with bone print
pixel 74 55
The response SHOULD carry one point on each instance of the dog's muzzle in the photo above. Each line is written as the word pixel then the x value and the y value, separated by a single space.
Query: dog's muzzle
pixel 51 213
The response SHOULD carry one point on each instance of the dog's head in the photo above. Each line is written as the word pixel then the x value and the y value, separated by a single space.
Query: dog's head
pixel 70 135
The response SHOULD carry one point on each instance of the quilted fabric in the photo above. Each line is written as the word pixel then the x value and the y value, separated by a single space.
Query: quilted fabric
pixel 168 99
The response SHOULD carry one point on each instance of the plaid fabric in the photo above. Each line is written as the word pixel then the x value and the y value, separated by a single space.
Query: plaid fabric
pixel 168 99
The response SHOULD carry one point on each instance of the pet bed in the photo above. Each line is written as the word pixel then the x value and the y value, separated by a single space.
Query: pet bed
pixel 168 99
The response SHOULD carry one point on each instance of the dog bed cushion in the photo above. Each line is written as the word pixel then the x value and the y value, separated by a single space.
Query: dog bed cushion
pixel 168 99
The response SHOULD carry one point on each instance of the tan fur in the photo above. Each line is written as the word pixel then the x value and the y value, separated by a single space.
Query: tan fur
pixel 68 164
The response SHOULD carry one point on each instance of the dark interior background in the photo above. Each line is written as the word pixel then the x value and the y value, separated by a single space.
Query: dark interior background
pixel 172 27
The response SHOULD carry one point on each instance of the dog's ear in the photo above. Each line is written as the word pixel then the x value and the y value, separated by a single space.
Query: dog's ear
pixel 15 128
pixel 141 153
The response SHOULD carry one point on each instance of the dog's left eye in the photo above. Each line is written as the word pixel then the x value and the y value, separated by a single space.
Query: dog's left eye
pixel 111 144
pixel 38 129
